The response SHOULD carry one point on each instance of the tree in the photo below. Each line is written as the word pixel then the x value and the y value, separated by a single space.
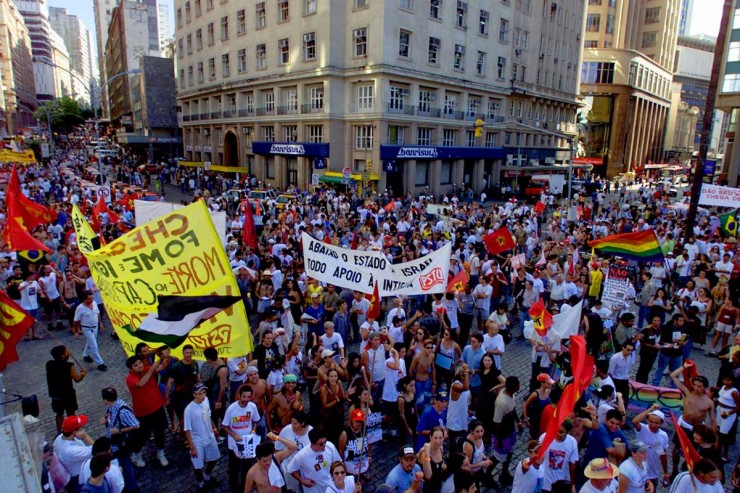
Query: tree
pixel 65 114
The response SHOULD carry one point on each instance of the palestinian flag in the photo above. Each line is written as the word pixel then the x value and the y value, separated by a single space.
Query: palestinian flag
pixel 642 246
pixel 728 223
pixel 178 315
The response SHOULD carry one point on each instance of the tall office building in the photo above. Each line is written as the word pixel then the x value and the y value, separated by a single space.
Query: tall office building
pixel 684 19
pixel 728 92
pixel 103 10
pixel 18 95
pixel 164 28
pixel 629 48
pixel 409 95
pixel 77 40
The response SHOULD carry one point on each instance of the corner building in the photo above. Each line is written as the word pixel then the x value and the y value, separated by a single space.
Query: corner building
pixel 411 95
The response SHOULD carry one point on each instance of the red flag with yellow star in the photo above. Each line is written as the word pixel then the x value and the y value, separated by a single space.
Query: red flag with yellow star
pixel 499 241
pixel 458 282
pixel 374 310
pixel 32 213
pixel 541 317
pixel 14 323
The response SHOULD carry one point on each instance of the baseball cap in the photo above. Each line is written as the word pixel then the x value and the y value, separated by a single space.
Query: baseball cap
pixel 441 396
pixel 357 415
pixel 74 423
pixel 404 451
pixel 199 387
pixel 252 369
pixel 658 413
pixel 326 353
pixel 545 378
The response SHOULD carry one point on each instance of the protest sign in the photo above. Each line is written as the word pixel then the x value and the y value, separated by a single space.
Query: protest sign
pixel 719 196
pixel 359 270
pixel 169 282
pixel 146 211
pixel 615 287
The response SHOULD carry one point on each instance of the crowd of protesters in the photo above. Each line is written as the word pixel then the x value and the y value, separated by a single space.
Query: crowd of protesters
pixel 329 377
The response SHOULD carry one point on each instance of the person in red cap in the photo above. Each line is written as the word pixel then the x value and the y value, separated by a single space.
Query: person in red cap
pixel 72 448
pixel 353 446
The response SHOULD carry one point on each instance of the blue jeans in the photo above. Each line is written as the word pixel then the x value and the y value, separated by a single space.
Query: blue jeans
pixel 643 316
pixel 672 362
pixel 91 344
pixel 127 470
pixel 423 393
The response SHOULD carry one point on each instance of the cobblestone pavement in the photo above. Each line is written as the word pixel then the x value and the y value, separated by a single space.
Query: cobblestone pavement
pixel 28 377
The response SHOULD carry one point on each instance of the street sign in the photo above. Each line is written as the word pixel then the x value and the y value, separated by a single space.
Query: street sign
pixel 347 181
pixel 319 163
pixel 347 172
pixel 45 150
pixel 104 192
pixel 315 179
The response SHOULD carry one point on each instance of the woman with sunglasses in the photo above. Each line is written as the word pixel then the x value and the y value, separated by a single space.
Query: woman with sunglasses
pixel 341 481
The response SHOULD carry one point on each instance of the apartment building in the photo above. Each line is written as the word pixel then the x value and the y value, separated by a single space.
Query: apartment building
pixel 629 48
pixel 76 38
pixel 18 97
pixel 411 95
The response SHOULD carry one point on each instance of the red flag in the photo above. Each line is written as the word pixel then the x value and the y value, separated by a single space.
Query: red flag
pixel 689 372
pixel 374 310
pixel 499 241
pixel 99 208
pixel 33 214
pixel 14 323
pixel 689 452
pixel 249 235
pixel 390 206
pixel 541 317
pixel 355 241
pixel 539 207
pixel 458 282
pixel 17 237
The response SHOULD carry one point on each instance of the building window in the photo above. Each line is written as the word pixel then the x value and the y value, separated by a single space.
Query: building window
pixel 187 12
pixel 290 133
pixel 652 15
pixel 407 4
pixel 424 136
pixel 189 43
pixel 731 83
pixel 450 103
pixel 199 39
pixel 591 43
pixel 480 63
pixel 426 97
pixel 241 22
pixel 597 73
pixel 610 24
pixel 224 28
pixel 473 106
pixel 398 98
pixel 211 38
pixel 290 100
pixel 435 8
pixel 315 133
pixel 483 23
pixel 433 56
pixel 190 75
pixel 179 17
pixel 309 7
pixel 449 137
pixel 316 98
pixel 182 78
pixel 359 4
pixel 494 106
pixel 309 46
pixel 269 99
pixel 501 68
pixel 365 97
pixel 396 135
pixel 242 60
pixel 649 39
pixel 421 177
pixel 197 8
pixel 261 57
pixel 404 44
pixel 461 14
pixel 470 138
pixel 250 103
pixel 180 48
pixel 260 15
pixel 459 60
pixel 200 72
pixel 360 41
pixel 733 53
pixel 491 139
pixel 268 133
pixel 364 136
pixel 209 4
pixel 284 51
pixel 225 66
pixel 736 19
pixel 212 68
pixel 593 23
pixel 503 31
pixel 283 11
pixel 270 163
pixel 445 173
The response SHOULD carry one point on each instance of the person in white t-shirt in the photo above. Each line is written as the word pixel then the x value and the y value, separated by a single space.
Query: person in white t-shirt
pixel 240 420
pixel 310 466
pixel 201 433
pixel 529 471
pixel 560 458
pixel 602 476
pixel 114 476
pixel 633 471
pixel 333 340
pixel 493 343
pixel 656 440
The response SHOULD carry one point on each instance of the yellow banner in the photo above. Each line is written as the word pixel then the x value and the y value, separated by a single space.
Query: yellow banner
pixel 180 257
pixel 85 233
pixel 212 167
pixel 24 157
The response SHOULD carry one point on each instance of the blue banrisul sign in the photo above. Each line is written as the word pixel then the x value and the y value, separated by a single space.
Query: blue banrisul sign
pixel 392 152
pixel 291 148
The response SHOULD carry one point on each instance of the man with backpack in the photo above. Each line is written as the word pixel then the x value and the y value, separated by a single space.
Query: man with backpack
pixel 217 383
pixel 121 426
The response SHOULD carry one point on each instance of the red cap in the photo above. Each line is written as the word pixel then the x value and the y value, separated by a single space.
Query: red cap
pixel 358 415
pixel 74 423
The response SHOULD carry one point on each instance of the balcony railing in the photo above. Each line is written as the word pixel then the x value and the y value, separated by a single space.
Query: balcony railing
pixel 453 115
pixel 229 114
pixel 474 116
pixel 246 112
pixel 287 110
pixel 265 111
pixel 311 108
pixel 205 116
pixel 433 112
pixel 186 118
pixel 215 114
pixel 401 110
pixel 355 108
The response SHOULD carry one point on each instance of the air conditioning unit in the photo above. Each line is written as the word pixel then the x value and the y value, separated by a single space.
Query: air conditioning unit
pixel 247 130
pixel 404 92
pixel 432 97
pixel 537 124
pixel 569 65
pixel 557 60
pixel 542 55
pixel 518 51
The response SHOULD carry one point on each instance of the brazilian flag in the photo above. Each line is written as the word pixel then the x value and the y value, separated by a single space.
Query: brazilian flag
pixel 728 223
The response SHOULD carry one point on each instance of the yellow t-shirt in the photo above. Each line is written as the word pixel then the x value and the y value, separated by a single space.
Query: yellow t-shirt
pixel 596 277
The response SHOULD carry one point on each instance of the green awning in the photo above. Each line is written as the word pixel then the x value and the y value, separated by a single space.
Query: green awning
pixel 330 179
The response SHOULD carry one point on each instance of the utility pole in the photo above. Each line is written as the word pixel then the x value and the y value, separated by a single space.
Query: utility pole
pixel 706 126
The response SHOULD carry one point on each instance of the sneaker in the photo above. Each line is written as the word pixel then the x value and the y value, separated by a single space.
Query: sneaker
pixel 87 359
pixel 102 368
pixel 137 460
pixel 162 459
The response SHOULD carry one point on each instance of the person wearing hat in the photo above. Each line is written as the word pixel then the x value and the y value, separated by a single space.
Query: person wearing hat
pixel 434 415
pixel 535 403
pixel 406 476
pixel 72 448
pixel 240 421
pixel 285 403
pixel 633 474
pixel 353 445
pixel 601 476
pixel 200 433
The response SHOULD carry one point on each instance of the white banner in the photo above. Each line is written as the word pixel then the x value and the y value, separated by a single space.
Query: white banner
pixel 360 270
pixel 615 288
pixel 719 196
pixel 145 211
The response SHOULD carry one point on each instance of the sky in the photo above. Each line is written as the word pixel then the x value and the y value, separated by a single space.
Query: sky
pixel 705 18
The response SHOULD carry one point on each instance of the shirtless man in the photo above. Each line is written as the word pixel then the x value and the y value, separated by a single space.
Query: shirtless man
pixel 422 369
pixel 259 397
pixel 285 403
pixel 265 475
pixel 696 406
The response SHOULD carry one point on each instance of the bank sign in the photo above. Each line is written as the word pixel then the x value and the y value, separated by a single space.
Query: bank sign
pixel 389 152
pixel 291 149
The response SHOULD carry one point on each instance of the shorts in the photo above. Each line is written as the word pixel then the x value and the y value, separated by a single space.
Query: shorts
pixel 206 453
pixel 724 328
pixel 64 405
pixel 503 446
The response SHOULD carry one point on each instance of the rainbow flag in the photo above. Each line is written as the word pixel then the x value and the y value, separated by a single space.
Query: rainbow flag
pixel 642 245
